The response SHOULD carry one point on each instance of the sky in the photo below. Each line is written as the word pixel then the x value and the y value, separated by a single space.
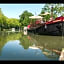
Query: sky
pixel 14 10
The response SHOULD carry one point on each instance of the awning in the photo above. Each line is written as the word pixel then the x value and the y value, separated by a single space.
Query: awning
pixel 35 17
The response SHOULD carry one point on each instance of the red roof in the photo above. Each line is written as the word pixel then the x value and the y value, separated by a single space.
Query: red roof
pixel 49 22
pixel 60 18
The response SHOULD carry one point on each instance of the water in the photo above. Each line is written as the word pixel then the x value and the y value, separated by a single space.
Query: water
pixel 16 46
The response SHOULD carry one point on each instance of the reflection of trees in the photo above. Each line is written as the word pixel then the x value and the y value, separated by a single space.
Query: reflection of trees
pixel 13 36
pixel 52 43
pixel 5 37
pixel 2 41
pixel 49 42
pixel 25 42
pixel 42 42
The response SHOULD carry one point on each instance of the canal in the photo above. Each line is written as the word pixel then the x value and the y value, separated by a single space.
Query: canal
pixel 16 46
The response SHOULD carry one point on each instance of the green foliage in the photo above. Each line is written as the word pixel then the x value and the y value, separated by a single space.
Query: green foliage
pixel 5 37
pixel 8 22
pixel 2 19
pixel 58 10
pixel 25 42
pixel 24 18
pixel 12 22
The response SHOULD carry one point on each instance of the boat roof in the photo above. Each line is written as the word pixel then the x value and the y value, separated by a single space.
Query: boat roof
pixel 35 17
pixel 58 19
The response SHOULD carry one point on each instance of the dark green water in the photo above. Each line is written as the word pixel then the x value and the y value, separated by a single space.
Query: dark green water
pixel 16 46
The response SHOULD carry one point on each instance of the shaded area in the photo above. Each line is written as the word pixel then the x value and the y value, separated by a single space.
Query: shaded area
pixel 50 42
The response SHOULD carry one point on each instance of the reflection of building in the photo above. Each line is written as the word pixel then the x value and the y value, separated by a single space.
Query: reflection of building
pixel 50 54
pixel 46 52
pixel 50 42
pixel 44 47
pixel 36 47
pixel 33 47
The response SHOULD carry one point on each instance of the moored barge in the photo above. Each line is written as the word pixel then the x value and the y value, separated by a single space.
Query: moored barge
pixel 54 27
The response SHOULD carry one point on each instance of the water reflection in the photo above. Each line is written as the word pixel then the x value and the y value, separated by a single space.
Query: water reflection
pixel 50 42
pixel 13 51
pixel 15 46
pixel 5 37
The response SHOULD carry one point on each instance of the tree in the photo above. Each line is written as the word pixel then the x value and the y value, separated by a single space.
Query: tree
pixel 58 10
pixel 6 22
pixel 12 22
pixel 2 20
pixel 24 18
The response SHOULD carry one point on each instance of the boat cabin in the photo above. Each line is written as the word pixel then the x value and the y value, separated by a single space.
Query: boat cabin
pixel 38 21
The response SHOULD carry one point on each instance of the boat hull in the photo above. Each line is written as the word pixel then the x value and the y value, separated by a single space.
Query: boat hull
pixel 55 29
